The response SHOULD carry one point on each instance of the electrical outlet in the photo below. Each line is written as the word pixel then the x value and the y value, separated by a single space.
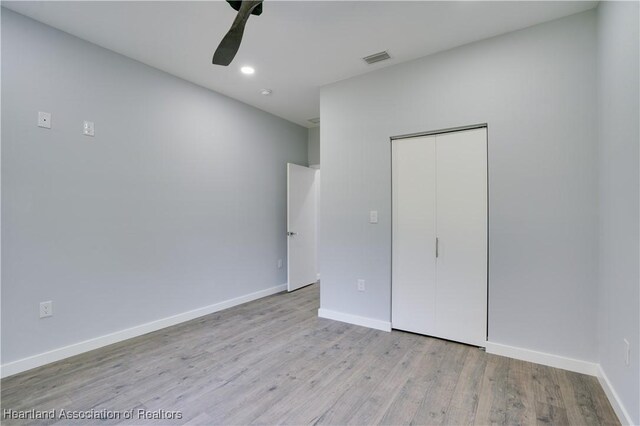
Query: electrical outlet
pixel 46 309
pixel 627 352
pixel 279 263
pixel 88 128
pixel 361 286
pixel 373 216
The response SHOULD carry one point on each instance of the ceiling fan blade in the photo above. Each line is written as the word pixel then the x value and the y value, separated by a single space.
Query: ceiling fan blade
pixel 230 44
pixel 228 47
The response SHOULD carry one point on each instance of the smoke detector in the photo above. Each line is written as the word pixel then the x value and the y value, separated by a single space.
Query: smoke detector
pixel 266 92
pixel 314 120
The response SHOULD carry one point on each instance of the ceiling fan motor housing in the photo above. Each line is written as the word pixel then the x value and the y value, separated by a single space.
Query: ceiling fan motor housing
pixel 236 5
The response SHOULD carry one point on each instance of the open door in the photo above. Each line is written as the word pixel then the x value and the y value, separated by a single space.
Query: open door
pixel 301 226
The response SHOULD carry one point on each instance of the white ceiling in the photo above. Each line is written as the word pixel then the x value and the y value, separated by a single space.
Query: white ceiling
pixel 295 46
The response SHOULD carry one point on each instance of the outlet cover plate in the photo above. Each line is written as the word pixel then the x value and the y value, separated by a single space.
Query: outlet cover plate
pixel 373 216
pixel 88 128
pixel 44 120
pixel 46 309
pixel 627 352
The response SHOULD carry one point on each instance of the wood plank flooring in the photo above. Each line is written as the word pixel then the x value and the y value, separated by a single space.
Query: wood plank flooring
pixel 273 361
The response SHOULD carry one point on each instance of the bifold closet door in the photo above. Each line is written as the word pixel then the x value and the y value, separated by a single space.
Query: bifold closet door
pixel 439 185
pixel 461 289
pixel 414 234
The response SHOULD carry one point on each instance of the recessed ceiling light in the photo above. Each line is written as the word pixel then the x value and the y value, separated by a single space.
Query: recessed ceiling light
pixel 247 70
pixel 266 92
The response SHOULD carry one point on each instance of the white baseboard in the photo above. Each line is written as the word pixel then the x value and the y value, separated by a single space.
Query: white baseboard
pixel 557 361
pixel 354 319
pixel 38 360
pixel 618 407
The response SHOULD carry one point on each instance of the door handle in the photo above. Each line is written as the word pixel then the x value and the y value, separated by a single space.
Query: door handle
pixel 291 234
pixel 437 247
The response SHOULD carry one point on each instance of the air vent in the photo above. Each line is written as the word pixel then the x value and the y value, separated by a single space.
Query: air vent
pixel 376 57
pixel 314 120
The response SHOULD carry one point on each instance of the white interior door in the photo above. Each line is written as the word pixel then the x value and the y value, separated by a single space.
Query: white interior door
pixel 461 291
pixel 439 269
pixel 414 235
pixel 302 267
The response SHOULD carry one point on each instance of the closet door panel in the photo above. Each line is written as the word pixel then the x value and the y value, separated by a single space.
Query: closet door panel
pixel 414 221
pixel 461 290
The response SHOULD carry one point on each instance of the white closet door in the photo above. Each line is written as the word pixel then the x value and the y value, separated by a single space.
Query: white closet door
pixel 414 222
pixel 461 290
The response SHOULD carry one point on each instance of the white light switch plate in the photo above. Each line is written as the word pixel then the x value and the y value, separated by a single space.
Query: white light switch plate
pixel 88 128
pixel 44 119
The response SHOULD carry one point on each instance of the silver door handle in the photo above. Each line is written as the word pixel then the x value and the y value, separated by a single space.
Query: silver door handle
pixel 291 234
pixel 437 247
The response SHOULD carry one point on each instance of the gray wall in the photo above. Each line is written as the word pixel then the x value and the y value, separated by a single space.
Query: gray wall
pixel 536 89
pixel 177 203
pixel 619 138
pixel 314 145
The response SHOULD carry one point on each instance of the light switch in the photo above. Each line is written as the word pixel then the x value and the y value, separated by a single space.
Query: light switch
pixel 88 128
pixel 373 216
pixel 44 119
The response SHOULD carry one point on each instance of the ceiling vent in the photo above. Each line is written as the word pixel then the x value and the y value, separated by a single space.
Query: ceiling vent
pixel 376 57
pixel 314 120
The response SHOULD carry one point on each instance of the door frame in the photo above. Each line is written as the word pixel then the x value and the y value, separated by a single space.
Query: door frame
pixel 432 133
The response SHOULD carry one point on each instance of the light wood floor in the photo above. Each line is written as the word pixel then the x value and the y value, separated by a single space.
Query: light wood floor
pixel 273 361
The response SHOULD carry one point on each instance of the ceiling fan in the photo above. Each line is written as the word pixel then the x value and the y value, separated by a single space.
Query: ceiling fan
pixel 230 44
